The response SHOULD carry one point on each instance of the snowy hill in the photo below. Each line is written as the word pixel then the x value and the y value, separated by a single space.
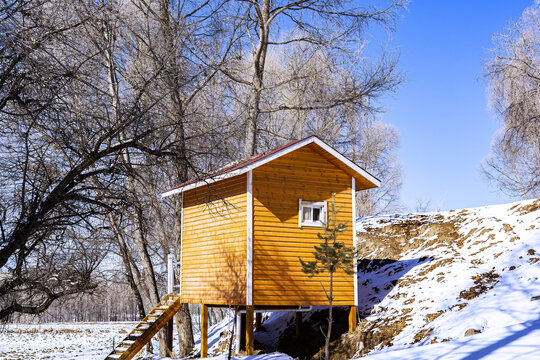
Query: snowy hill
pixel 466 281
pixel 430 278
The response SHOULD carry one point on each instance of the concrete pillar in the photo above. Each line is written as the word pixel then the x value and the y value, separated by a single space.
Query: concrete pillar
pixel 238 332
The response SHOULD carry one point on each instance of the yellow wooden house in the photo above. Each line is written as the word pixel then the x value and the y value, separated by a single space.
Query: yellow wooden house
pixel 244 228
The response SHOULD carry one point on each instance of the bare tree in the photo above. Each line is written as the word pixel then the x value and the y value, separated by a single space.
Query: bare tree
pixel 374 146
pixel 514 90
pixel 333 26
pixel 74 107
pixel 422 205
pixel 330 256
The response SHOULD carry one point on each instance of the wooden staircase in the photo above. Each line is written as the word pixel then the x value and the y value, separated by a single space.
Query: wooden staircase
pixel 147 328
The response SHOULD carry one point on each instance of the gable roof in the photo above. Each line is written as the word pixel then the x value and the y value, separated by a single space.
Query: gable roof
pixel 366 180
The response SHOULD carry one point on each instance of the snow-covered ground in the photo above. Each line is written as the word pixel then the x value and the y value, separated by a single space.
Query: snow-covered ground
pixel 519 341
pixel 465 271
pixel 427 282
pixel 60 341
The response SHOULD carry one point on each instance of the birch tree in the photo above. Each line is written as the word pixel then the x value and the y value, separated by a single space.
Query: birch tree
pixel 514 90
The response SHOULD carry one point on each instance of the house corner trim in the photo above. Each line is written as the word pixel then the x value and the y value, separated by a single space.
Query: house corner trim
pixel 249 226
pixel 355 240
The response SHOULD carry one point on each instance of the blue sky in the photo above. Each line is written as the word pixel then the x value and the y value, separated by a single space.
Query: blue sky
pixel 441 110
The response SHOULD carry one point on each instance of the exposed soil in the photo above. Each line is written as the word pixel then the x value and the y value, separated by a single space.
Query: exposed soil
pixel 470 332
pixel 529 208
pixel 422 335
pixel 367 337
pixel 482 283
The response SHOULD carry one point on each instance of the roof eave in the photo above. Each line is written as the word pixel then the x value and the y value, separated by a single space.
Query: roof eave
pixel 376 182
pixel 312 139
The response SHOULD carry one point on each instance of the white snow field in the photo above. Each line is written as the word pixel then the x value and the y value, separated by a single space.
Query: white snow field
pixel 60 341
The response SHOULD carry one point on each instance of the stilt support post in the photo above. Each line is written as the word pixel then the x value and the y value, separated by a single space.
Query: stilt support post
pixel 250 342
pixel 204 330
pixel 352 319
pixel 258 321
pixel 298 323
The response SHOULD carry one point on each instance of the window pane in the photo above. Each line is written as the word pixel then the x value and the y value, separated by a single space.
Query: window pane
pixel 316 214
pixel 306 213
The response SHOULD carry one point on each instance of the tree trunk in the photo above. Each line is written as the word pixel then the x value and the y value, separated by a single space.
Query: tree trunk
pixel 330 319
pixel 128 273
pixel 183 317
pixel 176 111
pixel 148 274
pixel 185 331
pixel 252 118
pixel 259 61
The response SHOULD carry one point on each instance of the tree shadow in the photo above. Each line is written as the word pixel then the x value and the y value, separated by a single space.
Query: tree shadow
pixel 528 327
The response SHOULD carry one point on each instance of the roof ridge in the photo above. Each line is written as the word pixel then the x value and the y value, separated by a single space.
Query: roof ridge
pixel 238 164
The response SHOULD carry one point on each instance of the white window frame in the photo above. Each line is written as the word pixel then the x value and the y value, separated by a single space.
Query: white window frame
pixel 303 203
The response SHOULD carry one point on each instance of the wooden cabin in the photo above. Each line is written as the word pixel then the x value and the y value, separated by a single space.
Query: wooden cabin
pixel 244 228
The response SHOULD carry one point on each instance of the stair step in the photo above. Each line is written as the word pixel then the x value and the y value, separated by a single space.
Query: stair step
pixel 139 336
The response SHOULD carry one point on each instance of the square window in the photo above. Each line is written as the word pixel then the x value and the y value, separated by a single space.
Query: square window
pixel 311 213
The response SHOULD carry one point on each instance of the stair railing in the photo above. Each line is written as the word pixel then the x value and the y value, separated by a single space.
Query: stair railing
pixel 171 267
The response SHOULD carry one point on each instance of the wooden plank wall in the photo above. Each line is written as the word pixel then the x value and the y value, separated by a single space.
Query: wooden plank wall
pixel 278 241
pixel 214 243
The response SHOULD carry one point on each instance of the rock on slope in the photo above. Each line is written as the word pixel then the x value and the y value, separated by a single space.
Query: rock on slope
pixel 429 278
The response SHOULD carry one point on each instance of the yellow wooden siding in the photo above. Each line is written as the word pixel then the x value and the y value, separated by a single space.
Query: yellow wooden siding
pixel 361 182
pixel 214 243
pixel 279 242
